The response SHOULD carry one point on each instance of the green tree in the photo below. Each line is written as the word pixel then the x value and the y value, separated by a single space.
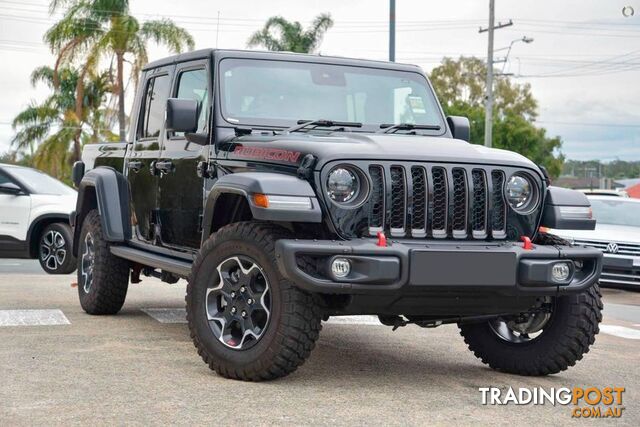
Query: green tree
pixel 282 35
pixel 47 130
pixel 91 30
pixel 460 85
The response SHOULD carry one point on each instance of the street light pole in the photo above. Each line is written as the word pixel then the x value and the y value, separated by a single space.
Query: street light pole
pixel 504 60
pixel 392 30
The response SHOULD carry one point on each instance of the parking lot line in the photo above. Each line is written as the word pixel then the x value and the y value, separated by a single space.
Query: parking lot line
pixel 355 320
pixel 620 331
pixel 49 317
pixel 167 315
pixel 179 315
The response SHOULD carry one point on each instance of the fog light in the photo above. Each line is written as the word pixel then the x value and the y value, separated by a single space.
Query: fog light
pixel 340 267
pixel 560 271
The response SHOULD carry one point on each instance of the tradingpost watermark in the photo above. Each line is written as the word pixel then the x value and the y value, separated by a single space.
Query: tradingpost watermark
pixel 584 402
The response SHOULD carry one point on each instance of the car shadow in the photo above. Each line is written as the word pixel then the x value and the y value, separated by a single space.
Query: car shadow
pixel 344 355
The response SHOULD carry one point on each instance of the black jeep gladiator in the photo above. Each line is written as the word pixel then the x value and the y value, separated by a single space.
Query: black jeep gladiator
pixel 289 188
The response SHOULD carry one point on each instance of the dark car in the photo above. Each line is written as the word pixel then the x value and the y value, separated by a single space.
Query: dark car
pixel 290 188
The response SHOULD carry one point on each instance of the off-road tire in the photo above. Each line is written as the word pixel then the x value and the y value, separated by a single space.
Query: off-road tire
pixel 108 289
pixel 571 330
pixel 70 262
pixel 295 321
pixel 550 240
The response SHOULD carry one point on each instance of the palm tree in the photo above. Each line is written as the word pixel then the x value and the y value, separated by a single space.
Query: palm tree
pixel 47 130
pixel 91 30
pixel 280 34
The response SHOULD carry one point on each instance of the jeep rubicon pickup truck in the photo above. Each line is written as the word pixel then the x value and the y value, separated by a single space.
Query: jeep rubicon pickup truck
pixel 289 188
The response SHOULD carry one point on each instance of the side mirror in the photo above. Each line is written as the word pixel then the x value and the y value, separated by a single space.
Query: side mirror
pixel 182 115
pixel 10 188
pixel 77 172
pixel 460 127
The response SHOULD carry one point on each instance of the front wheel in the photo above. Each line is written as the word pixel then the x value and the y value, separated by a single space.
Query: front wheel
pixel 555 335
pixel 54 249
pixel 246 320
pixel 103 278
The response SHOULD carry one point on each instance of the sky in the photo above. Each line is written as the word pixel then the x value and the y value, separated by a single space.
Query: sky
pixel 583 65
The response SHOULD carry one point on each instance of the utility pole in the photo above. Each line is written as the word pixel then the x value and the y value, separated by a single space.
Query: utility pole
pixel 217 29
pixel 392 30
pixel 488 121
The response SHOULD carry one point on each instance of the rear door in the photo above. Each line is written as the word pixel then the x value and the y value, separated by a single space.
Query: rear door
pixel 180 200
pixel 141 170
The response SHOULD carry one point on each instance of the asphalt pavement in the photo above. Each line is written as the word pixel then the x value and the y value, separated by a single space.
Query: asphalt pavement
pixel 20 266
pixel 60 366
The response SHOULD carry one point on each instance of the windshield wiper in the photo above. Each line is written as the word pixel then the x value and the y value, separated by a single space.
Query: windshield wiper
pixel 389 128
pixel 302 124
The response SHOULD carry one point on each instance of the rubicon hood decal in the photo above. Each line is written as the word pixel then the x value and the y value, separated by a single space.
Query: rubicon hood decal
pixel 266 154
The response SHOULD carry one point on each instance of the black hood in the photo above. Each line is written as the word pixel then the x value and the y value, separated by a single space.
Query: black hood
pixel 345 146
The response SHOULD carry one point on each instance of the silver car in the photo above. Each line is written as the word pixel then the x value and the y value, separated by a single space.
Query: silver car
pixel 617 234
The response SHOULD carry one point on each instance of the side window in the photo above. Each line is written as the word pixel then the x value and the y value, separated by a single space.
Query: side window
pixel 4 179
pixel 193 85
pixel 154 106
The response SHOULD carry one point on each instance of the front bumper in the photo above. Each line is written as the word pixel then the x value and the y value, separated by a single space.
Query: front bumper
pixel 436 267
pixel 620 270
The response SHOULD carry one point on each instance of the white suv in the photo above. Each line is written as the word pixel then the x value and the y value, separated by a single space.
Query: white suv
pixel 34 218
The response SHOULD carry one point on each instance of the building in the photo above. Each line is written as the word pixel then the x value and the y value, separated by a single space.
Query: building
pixel 631 186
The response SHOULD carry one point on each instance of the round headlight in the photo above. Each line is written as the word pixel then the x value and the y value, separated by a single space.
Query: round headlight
pixel 342 185
pixel 520 192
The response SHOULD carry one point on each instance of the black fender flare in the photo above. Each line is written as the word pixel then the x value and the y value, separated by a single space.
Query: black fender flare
pixel 566 209
pixel 248 183
pixel 36 225
pixel 111 191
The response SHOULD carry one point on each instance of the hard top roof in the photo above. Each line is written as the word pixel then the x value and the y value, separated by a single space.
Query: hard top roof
pixel 255 54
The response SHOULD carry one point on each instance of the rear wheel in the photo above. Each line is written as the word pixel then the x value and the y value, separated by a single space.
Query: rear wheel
pixel 103 278
pixel 54 249
pixel 246 320
pixel 546 341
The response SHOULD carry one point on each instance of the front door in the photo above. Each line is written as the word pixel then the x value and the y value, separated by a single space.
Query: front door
pixel 141 163
pixel 180 197
pixel 14 219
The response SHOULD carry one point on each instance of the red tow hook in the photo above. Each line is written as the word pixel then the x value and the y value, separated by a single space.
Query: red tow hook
pixel 382 240
pixel 527 243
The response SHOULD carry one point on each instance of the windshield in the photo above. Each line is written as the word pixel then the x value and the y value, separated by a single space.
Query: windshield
pixel 40 183
pixel 616 212
pixel 279 93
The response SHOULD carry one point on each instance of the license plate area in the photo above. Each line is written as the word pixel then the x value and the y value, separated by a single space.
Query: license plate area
pixel 463 268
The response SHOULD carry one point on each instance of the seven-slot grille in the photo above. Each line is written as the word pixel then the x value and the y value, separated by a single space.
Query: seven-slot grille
pixel 421 200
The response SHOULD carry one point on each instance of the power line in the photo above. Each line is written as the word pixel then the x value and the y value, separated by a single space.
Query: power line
pixel 597 67
pixel 619 125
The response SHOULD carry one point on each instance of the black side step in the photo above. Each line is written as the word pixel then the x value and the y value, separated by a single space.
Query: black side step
pixel 180 268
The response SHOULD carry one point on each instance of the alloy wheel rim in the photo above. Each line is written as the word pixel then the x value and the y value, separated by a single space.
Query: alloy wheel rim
pixel 53 250
pixel 525 329
pixel 86 263
pixel 238 305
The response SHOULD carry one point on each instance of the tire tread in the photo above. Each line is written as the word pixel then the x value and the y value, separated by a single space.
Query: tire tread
pixel 111 274
pixel 583 317
pixel 301 319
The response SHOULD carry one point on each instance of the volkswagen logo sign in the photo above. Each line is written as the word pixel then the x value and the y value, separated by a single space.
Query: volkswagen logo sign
pixel 612 248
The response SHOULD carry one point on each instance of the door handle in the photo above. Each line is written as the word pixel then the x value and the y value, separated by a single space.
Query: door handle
pixel 134 165
pixel 164 167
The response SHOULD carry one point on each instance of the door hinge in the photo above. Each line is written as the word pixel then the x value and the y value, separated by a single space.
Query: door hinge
pixel 206 170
